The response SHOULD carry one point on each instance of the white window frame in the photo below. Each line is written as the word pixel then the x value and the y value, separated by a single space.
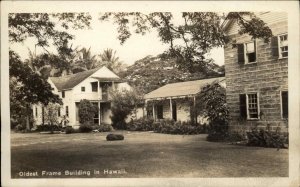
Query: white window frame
pixel 247 105
pixel 245 52
pixel 281 106
pixel 279 46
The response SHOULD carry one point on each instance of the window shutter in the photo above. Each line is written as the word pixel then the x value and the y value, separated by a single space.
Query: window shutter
pixel 274 46
pixel 241 57
pixel 285 104
pixel 243 106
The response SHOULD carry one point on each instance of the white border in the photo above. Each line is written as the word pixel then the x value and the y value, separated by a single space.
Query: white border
pixel 292 7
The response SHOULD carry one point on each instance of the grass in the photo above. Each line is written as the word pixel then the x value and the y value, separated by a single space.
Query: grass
pixel 143 154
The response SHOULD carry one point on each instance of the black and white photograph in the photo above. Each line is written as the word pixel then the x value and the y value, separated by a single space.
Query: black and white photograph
pixel 139 93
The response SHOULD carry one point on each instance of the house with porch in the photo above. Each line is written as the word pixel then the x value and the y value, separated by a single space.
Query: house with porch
pixel 93 85
pixel 175 101
pixel 257 75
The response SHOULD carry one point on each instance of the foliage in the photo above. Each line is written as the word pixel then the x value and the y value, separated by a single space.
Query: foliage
pixel 266 138
pixel 47 127
pixel 86 127
pixel 111 61
pixel 20 127
pixel 166 126
pixel 114 137
pixel 86 111
pixel 86 59
pixel 150 73
pixel 23 92
pixel 51 113
pixel 190 40
pixel 43 27
pixel 142 124
pixel 105 128
pixel 172 127
pixel 124 103
pixel 69 130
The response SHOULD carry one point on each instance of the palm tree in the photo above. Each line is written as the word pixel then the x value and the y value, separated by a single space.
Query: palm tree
pixel 86 59
pixel 110 60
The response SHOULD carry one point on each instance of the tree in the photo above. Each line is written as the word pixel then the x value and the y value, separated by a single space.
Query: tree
pixel 211 102
pixel 123 104
pixel 192 39
pixel 86 111
pixel 87 60
pixel 110 60
pixel 51 114
pixel 31 88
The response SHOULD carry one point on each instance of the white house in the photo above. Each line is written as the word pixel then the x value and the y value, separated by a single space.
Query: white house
pixel 92 85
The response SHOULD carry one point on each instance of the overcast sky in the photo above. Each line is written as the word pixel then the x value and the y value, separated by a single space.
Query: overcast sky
pixel 103 35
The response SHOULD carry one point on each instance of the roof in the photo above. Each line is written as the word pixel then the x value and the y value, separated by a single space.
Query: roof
pixel 181 88
pixel 70 81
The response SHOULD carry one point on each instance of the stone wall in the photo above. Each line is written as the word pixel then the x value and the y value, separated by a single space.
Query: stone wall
pixel 268 77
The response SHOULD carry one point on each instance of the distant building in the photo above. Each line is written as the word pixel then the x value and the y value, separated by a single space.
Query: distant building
pixel 257 75
pixel 174 101
pixel 93 85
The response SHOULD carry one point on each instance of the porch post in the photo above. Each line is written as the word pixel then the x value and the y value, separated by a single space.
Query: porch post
pixel 195 113
pixel 171 108
pixel 153 111
pixel 99 113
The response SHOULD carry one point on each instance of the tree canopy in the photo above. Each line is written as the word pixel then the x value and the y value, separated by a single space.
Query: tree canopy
pixel 190 40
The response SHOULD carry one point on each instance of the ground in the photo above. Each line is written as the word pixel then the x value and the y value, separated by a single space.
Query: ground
pixel 142 154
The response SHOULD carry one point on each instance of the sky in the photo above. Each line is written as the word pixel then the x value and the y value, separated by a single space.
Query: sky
pixel 103 35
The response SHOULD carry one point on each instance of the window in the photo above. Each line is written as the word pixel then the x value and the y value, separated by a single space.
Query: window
pixel 247 52
pixel 250 52
pixel 159 110
pixel 83 89
pixel 67 111
pixel 249 106
pixel 283 46
pixel 94 86
pixel 63 94
pixel 58 112
pixel 284 104
pixel 36 112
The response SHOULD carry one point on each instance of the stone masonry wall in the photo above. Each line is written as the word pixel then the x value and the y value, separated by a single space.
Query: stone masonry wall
pixel 268 77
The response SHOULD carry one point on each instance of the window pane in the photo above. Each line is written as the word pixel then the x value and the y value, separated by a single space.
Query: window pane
pixel 252 106
pixel 250 47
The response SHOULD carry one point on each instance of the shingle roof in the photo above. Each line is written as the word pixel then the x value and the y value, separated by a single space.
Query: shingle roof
pixel 181 88
pixel 70 81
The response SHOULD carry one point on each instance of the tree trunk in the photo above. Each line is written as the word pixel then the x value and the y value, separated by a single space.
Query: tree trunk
pixel 28 117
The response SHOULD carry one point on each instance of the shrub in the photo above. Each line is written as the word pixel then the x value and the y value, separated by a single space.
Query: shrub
pixel 69 130
pixel 20 127
pixel 46 127
pixel 86 127
pixel 113 137
pixel 86 111
pixel 105 128
pixel 142 124
pixel 266 138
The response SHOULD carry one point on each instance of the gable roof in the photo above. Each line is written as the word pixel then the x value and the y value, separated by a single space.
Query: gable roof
pixel 181 88
pixel 70 81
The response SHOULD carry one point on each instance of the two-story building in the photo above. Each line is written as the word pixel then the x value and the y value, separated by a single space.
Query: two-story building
pixel 93 85
pixel 257 75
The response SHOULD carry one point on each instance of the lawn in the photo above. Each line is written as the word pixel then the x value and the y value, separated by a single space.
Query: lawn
pixel 141 154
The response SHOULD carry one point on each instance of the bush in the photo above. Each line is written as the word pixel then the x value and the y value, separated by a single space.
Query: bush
pixel 46 127
pixel 20 127
pixel 105 128
pixel 266 138
pixel 86 111
pixel 113 137
pixel 69 130
pixel 142 124
pixel 86 127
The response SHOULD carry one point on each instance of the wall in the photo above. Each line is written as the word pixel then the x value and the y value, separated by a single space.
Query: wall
pixel 268 77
